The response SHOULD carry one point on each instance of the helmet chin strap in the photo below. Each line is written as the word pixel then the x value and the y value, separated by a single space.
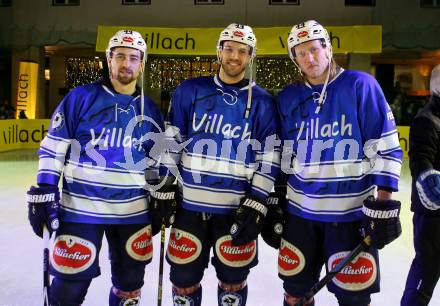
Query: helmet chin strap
pixel 321 100
pixel 249 99
pixel 142 91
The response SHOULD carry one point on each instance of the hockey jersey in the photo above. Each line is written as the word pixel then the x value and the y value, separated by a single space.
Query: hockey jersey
pixel 225 155
pixel 98 144
pixel 337 156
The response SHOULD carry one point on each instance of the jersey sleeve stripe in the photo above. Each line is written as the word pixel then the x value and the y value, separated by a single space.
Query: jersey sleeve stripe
pixel 262 183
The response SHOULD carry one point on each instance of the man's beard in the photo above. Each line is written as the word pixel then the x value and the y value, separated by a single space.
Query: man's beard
pixel 232 72
pixel 125 77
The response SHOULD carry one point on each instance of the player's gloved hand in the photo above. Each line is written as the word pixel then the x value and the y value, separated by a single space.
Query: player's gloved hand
pixel 381 221
pixel 248 221
pixel 43 206
pixel 428 188
pixel 163 206
pixel 274 221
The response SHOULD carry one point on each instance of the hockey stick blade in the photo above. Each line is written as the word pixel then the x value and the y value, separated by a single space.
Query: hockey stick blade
pixel 46 278
pixel 161 260
pixel 329 276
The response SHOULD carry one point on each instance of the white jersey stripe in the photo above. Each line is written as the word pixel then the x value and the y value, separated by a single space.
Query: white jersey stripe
pixel 213 196
pixel 103 209
pixel 225 175
pixel 101 177
pixel 328 203
pixel 51 164
pixel 58 147
pixel 262 182
pixel 216 166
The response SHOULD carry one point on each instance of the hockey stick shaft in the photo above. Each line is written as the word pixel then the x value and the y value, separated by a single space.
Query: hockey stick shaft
pixel 161 260
pixel 46 279
pixel 329 276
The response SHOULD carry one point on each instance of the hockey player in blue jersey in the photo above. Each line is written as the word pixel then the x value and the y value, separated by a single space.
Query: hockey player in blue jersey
pixel 226 171
pixel 342 160
pixel 424 161
pixel 99 142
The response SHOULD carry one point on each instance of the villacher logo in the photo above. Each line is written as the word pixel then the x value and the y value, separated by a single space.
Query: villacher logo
pixel 235 256
pixel 139 246
pixel 72 254
pixel 183 247
pixel 157 41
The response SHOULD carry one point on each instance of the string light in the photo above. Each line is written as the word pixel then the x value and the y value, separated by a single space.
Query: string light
pixel 275 73
pixel 166 73
pixel 82 70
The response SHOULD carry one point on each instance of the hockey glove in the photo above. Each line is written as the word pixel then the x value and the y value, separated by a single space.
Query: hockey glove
pixel 274 221
pixel 428 188
pixel 43 206
pixel 163 206
pixel 248 221
pixel 381 221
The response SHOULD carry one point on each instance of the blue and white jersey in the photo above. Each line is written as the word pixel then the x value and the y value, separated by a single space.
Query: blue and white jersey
pixel 96 143
pixel 225 156
pixel 337 157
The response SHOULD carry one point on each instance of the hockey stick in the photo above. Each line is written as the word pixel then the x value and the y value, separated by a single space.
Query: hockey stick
pixel 162 251
pixel 329 276
pixel 46 279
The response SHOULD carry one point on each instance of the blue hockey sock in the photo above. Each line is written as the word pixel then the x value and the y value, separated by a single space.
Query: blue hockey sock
pixel 194 298
pixel 118 297
pixel 226 298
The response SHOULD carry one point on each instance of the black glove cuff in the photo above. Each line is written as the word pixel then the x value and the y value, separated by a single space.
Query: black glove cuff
pixel 167 192
pixel 256 205
pixel 43 194
pixel 381 209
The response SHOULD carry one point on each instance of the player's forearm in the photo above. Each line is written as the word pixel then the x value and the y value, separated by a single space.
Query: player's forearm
pixel 384 195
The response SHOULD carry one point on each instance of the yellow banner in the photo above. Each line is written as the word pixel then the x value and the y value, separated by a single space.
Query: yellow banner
pixel 270 41
pixel 22 133
pixel 403 132
pixel 27 89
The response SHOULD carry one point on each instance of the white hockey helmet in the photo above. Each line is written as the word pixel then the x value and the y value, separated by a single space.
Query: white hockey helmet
pixel 240 33
pixel 307 31
pixel 127 39
pixel 434 85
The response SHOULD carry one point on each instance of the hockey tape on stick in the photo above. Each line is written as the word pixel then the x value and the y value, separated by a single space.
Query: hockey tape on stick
pixel 161 259
pixel 46 279
pixel 329 276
